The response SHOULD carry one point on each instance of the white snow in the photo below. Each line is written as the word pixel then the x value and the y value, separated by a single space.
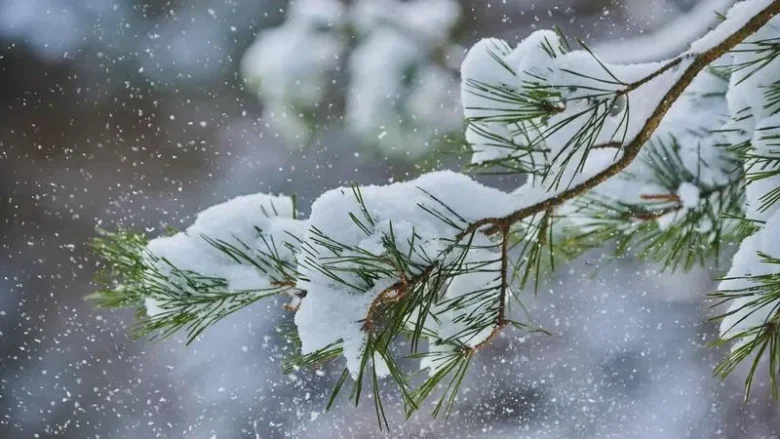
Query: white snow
pixel 333 311
pixel 747 262
pixel 736 17
pixel 251 220
pixel 689 195
pixel 668 41
pixel 712 112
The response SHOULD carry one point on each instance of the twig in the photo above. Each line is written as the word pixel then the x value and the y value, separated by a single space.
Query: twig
pixel 631 150
pixel 500 317
pixel 494 225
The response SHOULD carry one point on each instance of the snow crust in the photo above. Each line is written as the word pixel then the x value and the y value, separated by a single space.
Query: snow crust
pixel 712 112
pixel 736 17
pixel 753 120
pixel 745 314
pixel 342 230
pixel 333 310
pixel 670 40
pixel 530 61
pixel 250 220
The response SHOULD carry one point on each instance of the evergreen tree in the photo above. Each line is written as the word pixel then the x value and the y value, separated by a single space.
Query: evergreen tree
pixel 400 93
pixel 676 162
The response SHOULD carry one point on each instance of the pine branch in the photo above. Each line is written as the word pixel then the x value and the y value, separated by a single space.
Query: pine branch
pixel 631 150
pixel 501 315
pixel 133 277
pixel 761 296
pixel 419 291
pixel 690 235
pixel 457 296
pixel 767 50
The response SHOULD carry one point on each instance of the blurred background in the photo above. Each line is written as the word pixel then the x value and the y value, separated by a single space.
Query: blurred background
pixel 140 113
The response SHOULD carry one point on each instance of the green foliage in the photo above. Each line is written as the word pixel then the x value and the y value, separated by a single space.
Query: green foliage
pixel 694 236
pixel 412 286
pixel 763 293
pixel 189 301
pixel 451 367
pixel 765 51
pixel 527 112
pixel 415 305
pixel 534 247
pixel 118 280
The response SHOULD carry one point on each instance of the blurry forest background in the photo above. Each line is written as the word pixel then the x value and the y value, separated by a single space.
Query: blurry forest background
pixel 134 113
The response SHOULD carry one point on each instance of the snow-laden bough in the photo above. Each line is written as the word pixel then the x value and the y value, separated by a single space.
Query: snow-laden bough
pixel 674 161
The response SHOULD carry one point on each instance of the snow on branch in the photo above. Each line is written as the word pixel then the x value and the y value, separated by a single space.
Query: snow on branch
pixel 234 254
pixel 393 60
pixel 593 91
pixel 675 161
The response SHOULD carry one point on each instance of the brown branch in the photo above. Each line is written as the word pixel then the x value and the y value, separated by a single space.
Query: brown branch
pixel 607 145
pixel 283 283
pixel 661 197
pixel 504 289
pixel 650 216
pixel 393 294
pixel 637 84
pixel 500 317
pixel 502 225
pixel 631 150
pixel 387 296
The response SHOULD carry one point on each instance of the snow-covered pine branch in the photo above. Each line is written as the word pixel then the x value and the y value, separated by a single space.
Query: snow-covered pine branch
pixel 675 161
pixel 401 92
pixel 234 254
